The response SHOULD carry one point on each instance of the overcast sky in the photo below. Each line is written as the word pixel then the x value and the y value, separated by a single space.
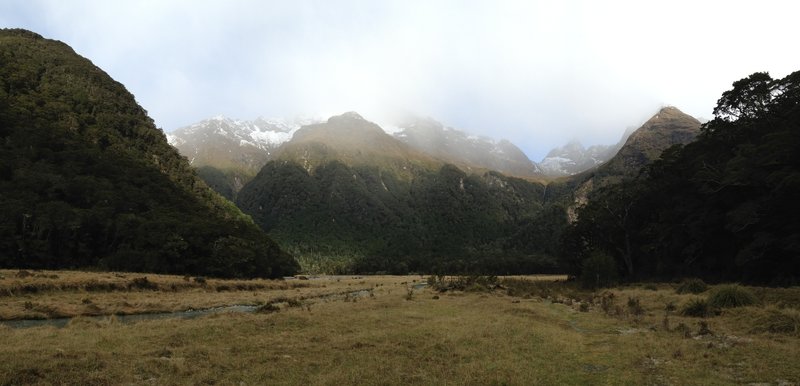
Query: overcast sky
pixel 538 73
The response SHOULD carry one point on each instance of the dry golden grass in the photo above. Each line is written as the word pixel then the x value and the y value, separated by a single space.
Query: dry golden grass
pixel 389 337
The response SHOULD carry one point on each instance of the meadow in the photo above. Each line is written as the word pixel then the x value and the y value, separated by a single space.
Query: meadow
pixel 392 330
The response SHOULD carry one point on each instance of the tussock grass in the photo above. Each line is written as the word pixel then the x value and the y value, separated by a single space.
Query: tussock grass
pixel 697 308
pixel 730 296
pixel 692 286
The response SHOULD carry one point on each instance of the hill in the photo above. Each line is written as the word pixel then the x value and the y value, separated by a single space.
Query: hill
pixel 87 180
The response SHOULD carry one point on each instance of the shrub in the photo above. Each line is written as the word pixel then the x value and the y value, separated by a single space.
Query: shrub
pixel 599 271
pixel 697 308
pixel 692 286
pixel 729 296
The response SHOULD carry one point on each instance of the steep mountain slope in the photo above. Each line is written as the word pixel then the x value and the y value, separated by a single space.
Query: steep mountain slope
pixel 466 151
pixel 228 153
pixel 346 189
pixel 87 180
pixel 668 127
pixel 663 130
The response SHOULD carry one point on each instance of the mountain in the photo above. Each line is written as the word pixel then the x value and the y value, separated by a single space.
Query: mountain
pixel 466 151
pixel 228 153
pixel 87 180
pixel 668 127
pixel 347 192
pixel 354 141
pixel 573 158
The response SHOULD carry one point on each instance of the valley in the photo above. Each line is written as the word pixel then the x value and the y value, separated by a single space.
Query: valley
pixel 387 330
pixel 492 193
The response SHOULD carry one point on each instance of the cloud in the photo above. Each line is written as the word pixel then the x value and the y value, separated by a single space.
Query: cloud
pixel 538 73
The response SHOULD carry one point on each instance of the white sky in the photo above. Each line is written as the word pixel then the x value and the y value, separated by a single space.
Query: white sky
pixel 538 73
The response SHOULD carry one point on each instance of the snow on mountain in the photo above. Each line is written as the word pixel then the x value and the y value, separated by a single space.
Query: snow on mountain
pixel 573 158
pixel 262 133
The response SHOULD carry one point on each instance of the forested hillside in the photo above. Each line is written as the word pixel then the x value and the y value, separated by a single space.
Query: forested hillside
pixel 87 180
pixel 722 208
pixel 347 189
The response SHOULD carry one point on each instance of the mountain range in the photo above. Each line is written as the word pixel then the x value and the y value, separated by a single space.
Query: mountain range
pixel 345 187
pixel 87 180
pixel 228 153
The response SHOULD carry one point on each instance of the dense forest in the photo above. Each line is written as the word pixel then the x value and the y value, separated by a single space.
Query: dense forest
pixel 444 221
pixel 87 180
pixel 723 207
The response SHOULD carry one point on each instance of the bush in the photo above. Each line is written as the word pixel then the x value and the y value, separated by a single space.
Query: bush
pixel 729 296
pixel 599 271
pixel 692 286
pixel 697 308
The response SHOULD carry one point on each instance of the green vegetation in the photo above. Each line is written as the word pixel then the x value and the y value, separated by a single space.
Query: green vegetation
pixel 722 208
pixel 87 180
pixel 446 221
pixel 731 295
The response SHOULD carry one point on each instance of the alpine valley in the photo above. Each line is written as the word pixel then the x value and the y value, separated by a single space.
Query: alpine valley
pixel 88 181
pixel 347 195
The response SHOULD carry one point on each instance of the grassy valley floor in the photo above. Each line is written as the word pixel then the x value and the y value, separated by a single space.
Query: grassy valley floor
pixel 384 330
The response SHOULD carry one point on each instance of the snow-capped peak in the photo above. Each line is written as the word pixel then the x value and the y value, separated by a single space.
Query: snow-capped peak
pixel 263 133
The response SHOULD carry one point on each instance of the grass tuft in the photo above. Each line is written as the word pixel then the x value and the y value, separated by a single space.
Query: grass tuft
pixel 730 296
pixel 697 308
pixel 692 286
